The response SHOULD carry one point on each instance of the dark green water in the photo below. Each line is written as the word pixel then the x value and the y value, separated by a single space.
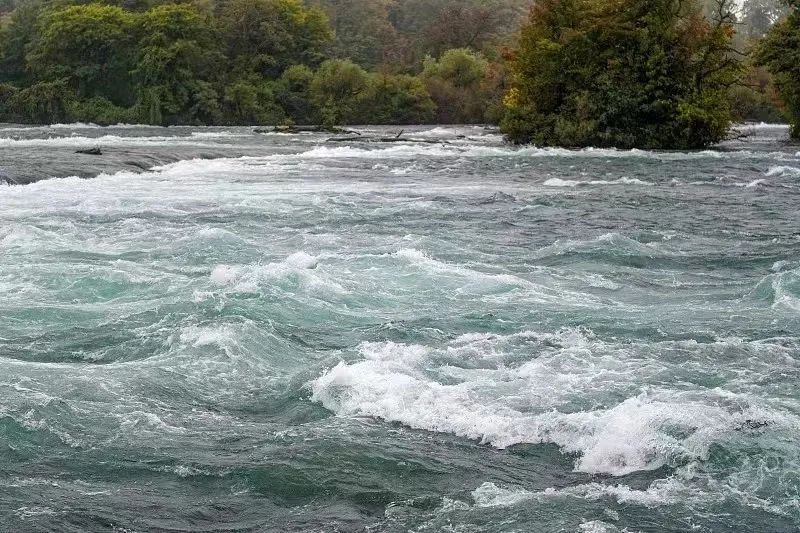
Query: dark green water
pixel 274 333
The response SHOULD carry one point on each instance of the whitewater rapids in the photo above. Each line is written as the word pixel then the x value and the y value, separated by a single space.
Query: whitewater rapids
pixel 218 329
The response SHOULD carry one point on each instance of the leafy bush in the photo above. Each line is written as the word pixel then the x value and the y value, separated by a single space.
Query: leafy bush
pixel 43 102
pixel 456 83
pixel 98 110
pixel 336 88
pixel 389 99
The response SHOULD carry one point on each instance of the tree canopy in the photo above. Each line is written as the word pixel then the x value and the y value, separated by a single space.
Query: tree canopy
pixel 243 61
pixel 779 52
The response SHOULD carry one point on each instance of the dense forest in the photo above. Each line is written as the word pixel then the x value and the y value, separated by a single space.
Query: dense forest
pixel 255 61
pixel 551 71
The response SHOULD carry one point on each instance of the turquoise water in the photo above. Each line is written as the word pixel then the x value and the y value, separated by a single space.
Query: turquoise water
pixel 275 333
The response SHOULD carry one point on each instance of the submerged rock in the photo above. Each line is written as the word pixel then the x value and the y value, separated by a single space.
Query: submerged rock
pixel 90 151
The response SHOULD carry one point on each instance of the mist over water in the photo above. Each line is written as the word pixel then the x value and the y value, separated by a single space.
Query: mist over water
pixel 226 330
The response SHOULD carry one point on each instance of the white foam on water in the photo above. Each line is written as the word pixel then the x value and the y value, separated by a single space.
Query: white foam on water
pixel 218 134
pixel 411 151
pixel 299 268
pixel 783 172
pixel 691 486
pixel 186 471
pixel 26 237
pixel 598 526
pixel 402 171
pixel 661 492
pixel 134 422
pixel 78 141
pixel 431 389
pixel 613 243
pixel 764 125
pixel 83 126
pixel 74 126
pixel 557 182
pixel 421 260
pixel 35 422
pixel 224 336
pixel 786 286
pixel 441 131
pixel 225 275
pixel 25 513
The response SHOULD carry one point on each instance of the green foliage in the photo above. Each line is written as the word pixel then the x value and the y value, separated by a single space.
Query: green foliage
pixel 364 33
pixel 749 104
pixel 632 73
pixel 160 62
pixel 15 38
pixel 7 94
pixel 7 6
pixel 756 98
pixel 336 88
pixel 232 62
pixel 98 110
pixel 399 99
pixel 779 52
pixel 176 60
pixel 293 94
pixel 252 103
pixel 43 102
pixel 268 36
pixel 457 83
pixel 431 27
pixel 85 44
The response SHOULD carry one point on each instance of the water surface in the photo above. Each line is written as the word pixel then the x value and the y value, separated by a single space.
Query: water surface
pixel 230 331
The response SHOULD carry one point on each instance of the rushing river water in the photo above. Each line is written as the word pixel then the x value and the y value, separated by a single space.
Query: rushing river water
pixel 277 333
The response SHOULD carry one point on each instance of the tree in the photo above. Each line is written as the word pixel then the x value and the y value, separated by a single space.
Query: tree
pixel 364 33
pixel 15 39
pixel 394 99
pixel 456 83
pixel 252 61
pixel 335 90
pixel 175 63
pixel 632 73
pixel 44 102
pixel 87 45
pixel 293 93
pixel 433 26
pixel 265 37
pixel 252 102
pixel 758 16
pixel 779 52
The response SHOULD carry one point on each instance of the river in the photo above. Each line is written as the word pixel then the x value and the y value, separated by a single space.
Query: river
pixel 213 329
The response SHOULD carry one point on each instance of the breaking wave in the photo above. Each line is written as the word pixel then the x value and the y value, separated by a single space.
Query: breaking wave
pixel 465 389
pixel 557 182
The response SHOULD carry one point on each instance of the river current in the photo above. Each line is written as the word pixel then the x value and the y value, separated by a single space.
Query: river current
pixel 213 329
